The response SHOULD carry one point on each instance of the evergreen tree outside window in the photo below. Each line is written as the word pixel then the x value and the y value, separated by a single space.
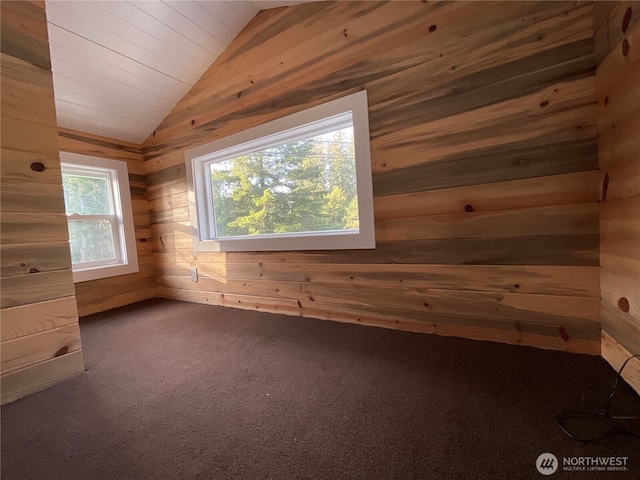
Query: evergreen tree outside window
pixel 99 217
pixel 303 186
pixel 298 183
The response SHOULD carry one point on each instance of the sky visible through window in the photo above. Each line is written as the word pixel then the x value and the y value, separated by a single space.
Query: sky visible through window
pixel 303 186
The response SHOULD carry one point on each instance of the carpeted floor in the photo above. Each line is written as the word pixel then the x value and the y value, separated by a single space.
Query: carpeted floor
pixel 185 391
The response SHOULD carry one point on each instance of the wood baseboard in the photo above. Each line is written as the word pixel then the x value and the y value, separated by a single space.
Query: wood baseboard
pixel 574 345
pixel 616 355
pixel 43 375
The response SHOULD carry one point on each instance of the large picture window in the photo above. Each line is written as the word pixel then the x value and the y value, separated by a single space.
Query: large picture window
pixel 99 217
pixel 298 183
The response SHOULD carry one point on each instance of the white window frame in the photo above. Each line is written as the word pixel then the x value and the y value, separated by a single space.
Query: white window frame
pixel 329 116
pixel 121 219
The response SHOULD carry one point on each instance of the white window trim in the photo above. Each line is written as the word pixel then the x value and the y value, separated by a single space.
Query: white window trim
pixel 329 116
pixel 127 259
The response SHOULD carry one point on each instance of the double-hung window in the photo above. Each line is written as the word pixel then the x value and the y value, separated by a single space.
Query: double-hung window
pixel 99 216
pixel 302 182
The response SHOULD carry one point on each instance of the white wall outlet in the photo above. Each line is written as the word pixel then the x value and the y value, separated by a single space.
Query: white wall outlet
pixel 194 274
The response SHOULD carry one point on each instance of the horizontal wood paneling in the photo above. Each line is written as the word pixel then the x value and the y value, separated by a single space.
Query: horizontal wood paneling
pixel 23 95
pixel 470 37
pixel 620 218
pixel 96 290
pixel 28 136
pixel 486 278
pixel 27 17
pixel 32 200
pixel 560 310
pixel 19 227
pixel 566 189
pixel 621 307
pixel 26 320
pixel 26 44
pixel 27 191
pixel 576 250
pixel 485 161
pixel 43 375
pixel 34 258
pixel 36 287
pixel 16 168
pixel 87 144
pixel 620 325
pixel 579 219
pixel 616 355
pixel 608 25
pixel 622 172
pixel 107 302
pixel 489 166
pixel 25 351
pixel 39 318
pixel 617 44
pixel 620 255
pixel 103 294
pixel 583 340
pixel 544 113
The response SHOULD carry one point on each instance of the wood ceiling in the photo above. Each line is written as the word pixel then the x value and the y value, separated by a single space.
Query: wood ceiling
pixel 119 67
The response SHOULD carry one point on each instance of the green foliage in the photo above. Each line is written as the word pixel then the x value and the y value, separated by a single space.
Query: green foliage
pixel 86 195
pixel 90 239
pixel 335 208
pixel 351 219
pixel 304 186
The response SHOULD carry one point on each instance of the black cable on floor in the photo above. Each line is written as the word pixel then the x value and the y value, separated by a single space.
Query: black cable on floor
pixel 590 426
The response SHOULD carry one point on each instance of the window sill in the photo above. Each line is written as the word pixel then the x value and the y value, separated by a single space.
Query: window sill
pixel 107 271
pixel 335 240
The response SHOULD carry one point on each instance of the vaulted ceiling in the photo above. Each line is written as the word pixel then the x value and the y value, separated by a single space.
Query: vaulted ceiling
pixel 119 67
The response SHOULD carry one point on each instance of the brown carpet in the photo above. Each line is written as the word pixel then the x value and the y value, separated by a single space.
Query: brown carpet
pixel 184 391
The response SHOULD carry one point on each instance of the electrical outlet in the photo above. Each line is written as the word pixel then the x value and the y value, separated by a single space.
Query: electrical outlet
pixel 194 274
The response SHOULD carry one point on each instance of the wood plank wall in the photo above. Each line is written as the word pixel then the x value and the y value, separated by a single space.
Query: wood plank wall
pixel 484 151
pixel 103 294
pixel 40 335
pixel 617 33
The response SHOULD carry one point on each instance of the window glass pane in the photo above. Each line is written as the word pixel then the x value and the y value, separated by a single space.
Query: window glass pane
pixel 87 193
pixel 302 186
pixel 91 241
